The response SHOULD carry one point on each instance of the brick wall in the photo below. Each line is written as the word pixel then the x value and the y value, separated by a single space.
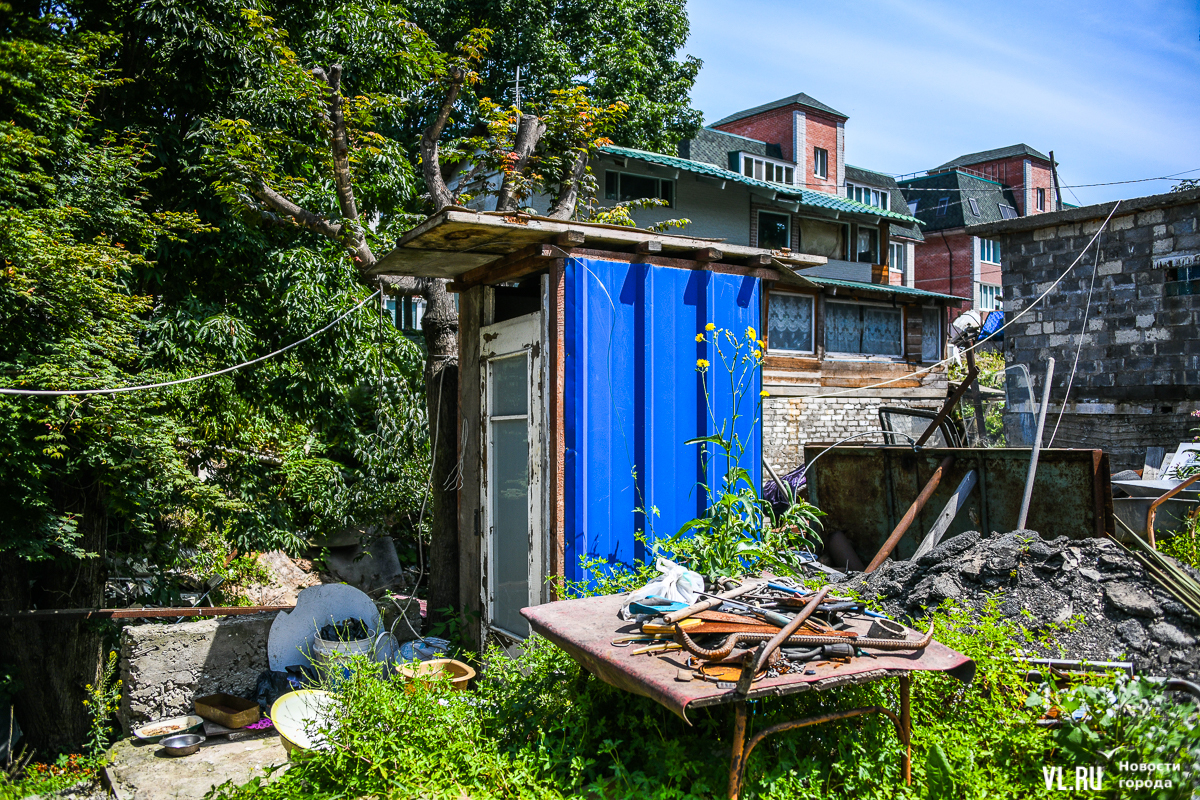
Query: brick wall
pixel 775 127
pixel 931 268
pixel 789 423
pixel 1139 363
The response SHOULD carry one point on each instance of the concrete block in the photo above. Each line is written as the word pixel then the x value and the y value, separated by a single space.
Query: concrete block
pixel 1042 234
pixel 1144 320
pixel 1109 268
pixel 1128 337
pixel 1151 217
pixel 1162 246
pixel 1121 223
pixel 163 666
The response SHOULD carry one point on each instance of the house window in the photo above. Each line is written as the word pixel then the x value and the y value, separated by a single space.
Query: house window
pixel 790 322
pixel 624 186
pixel 861 329
pixel 989 251
pixel 868 245
pixel 1041 199
pixel 1007 211
pixel 774 230
pixel 974 205
pixel 931 334
pixel 820 162
pixel 989 297
pixel 896 256
pixel 943 204
pixel 763 170
pixel 867 196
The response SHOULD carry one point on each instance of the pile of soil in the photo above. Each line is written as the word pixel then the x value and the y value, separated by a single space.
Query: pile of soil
pixel 1045 585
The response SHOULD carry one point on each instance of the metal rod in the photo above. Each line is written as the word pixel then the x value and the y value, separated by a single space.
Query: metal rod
pixel 739 743
pixel 764 653
pixel 141 613
pixel 1037 446
pixel 738 767
pixel 705 605
pixel 1164 498
pixel 948 406
pixel 911 515
pixel 784 486
pixel 906 728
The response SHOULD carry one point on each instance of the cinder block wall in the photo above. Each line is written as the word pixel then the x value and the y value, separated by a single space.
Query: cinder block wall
pixel 789 423
pixel 1138 377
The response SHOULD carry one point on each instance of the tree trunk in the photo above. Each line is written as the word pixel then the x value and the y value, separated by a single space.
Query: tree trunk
pixel 55 659
pixel 440 325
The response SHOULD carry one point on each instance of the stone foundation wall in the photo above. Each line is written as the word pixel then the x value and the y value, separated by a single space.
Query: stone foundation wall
pixel 789 423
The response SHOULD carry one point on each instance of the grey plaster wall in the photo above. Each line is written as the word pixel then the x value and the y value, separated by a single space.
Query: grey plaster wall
pixel 163 667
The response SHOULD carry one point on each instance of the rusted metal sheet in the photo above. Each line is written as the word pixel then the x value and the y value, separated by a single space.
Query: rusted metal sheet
pixel 864 490
pixel 585 629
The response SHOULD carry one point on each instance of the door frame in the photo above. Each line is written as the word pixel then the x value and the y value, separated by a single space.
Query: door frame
pixel 501 340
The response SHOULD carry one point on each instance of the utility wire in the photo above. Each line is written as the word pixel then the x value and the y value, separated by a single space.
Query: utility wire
pixel 1007 322
pixel 1079 348
pixel 66 392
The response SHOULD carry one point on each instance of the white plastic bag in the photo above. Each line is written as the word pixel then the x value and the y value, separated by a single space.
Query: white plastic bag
pixel 677 584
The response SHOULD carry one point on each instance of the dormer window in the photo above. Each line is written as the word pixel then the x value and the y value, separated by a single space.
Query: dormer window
pixel 763 169
pixel 820 162
pixel 867 195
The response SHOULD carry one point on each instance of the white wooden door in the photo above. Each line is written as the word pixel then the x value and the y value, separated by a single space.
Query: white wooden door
pixel 513 509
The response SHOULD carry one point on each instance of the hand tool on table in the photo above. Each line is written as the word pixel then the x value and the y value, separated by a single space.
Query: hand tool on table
pixel 625 641
pixel 773 617
pixel 654 626
pixel 656 648
pixel 710 603
pixel 802 593
pixel 655 605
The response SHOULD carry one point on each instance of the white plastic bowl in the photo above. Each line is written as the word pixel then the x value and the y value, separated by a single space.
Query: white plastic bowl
pixel 300 716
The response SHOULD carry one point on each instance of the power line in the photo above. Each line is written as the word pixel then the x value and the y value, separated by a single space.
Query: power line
pixel 66 392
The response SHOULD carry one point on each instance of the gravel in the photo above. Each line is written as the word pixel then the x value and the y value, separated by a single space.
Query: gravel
pixel 1049 586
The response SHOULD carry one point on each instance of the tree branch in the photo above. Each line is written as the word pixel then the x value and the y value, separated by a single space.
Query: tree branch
pixel 429 145
pixel 355 239
pixel 529 132
pixel 403 285
pixel 284 205
pixel 564 204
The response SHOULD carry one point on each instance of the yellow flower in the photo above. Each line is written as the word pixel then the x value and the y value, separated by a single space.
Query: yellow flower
pixel 764 393
pixel 699 337
pixel 757 354
pixel 701 363
pixel 710 327
pixel 762 343
pixel 751 334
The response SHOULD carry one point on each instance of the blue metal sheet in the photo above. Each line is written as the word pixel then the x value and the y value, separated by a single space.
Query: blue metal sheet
pixel 633 397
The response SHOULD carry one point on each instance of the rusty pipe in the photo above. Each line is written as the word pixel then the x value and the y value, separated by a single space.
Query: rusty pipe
pixel 1165 497
pixel 764 653
pixel 911 515
pixel 948 406
pixel 798 640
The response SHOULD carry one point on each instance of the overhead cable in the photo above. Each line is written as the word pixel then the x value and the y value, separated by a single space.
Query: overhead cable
pixel 116 390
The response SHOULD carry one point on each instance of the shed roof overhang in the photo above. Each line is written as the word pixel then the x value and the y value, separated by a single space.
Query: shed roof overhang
pixel 456 242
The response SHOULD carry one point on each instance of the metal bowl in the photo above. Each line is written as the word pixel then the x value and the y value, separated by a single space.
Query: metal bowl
pixel 183 745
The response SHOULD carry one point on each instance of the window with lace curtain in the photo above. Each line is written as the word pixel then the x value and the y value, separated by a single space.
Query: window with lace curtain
pixel 790 322
pixel 862 329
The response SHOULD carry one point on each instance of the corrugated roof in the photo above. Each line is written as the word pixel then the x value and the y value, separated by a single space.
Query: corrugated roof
pixel 805 197
pixel 798 99
pixel 907 291
pixel 992 155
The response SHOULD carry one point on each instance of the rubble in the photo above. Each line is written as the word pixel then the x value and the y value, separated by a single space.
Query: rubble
pixel 1098 601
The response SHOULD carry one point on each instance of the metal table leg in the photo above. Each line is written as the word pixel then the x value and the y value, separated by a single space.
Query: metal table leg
pixel 742 749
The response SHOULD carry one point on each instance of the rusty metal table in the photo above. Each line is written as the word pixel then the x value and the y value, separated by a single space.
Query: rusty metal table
pixel 585 629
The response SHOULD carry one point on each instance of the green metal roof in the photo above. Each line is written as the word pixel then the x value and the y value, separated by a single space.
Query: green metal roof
pixel 805 197
pixel 907 291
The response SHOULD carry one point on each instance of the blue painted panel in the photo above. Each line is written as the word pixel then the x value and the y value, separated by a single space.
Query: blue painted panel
pixel 633 397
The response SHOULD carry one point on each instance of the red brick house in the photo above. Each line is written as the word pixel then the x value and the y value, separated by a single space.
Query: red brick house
pixel 970 191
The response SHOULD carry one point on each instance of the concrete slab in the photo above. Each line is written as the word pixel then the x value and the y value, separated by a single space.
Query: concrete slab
pixel 141 771
pixel 164 666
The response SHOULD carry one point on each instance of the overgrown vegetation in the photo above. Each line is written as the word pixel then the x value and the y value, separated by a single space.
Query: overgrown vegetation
pixel 991 375
pixel 539 727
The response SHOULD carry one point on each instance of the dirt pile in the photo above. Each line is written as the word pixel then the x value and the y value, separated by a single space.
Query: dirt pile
pixel 1101 602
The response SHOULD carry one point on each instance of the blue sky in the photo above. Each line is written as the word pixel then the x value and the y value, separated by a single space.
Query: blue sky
pixel 1112 87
